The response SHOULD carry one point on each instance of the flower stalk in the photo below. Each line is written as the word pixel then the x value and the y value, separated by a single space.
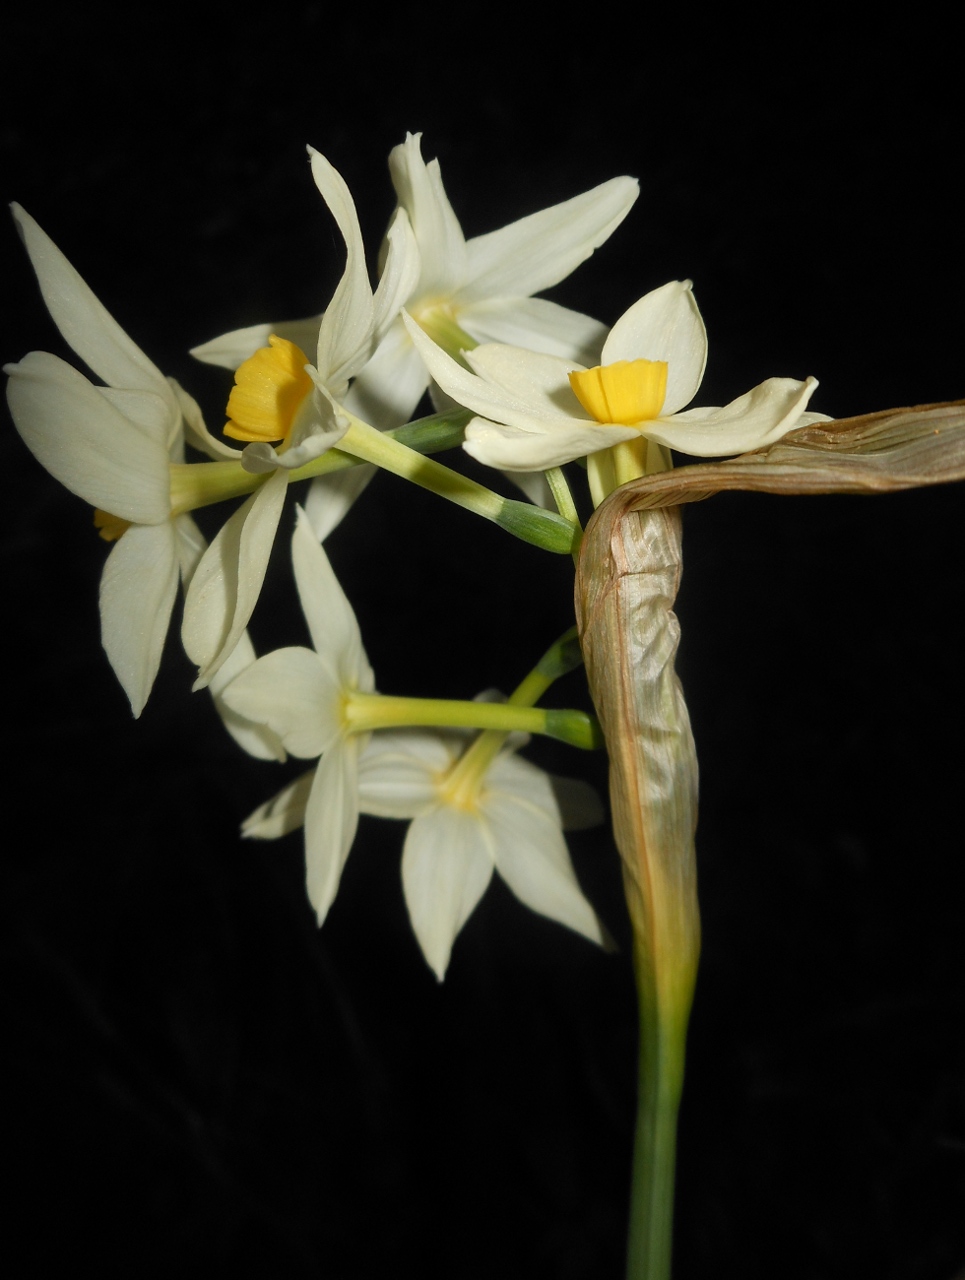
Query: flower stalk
pixel 627 581
pixel 365 712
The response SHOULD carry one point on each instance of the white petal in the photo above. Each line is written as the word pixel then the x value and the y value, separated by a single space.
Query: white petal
pixel 529 849
pixel 193 429
pixel 536 487
pixel 442 245
pixel 137 591
pixel 537 325
pixel 85 442
pixel 295 693
pixel 399 772
pixel 754 420
pixel 234 348
pixel 84 321
pixel 541 382
pixel 225 588
pixel 388 388
pixel 664 325
pixel 331 621
pixel 330 498
pixel 542 249
pixel 282 813
pixel 331 820
pixel 510 449
pixel 345 335
pixel 525 405
pixel 400 270
pixel 257 739
pixel 446 867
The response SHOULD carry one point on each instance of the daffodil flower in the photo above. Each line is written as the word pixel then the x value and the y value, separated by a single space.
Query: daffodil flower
pixel 466 822
pixel 288 411
pixel 114 446
pixel 300 695
pixel 460 291
pixel 538 411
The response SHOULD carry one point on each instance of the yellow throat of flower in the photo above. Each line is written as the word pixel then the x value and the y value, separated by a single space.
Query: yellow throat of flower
pixel 626 393
pixel 270 387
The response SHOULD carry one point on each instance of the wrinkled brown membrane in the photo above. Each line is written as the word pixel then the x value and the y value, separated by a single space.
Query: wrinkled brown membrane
pixel 627 579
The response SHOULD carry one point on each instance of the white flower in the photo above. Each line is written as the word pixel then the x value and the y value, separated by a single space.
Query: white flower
pixel 539 411
pixel 482 286
pixel 279 395
pixel 112 446
pixel 509 818
pixel 300 694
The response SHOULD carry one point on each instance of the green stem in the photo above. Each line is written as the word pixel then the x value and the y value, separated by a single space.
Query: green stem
pixel 529 523
pixel 201 484
pixel 663 1032
pixel 365 712
pixel 563 656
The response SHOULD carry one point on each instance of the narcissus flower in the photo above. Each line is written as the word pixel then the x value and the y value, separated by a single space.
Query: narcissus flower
pixel 539 411
pixel 113 446
pixel 460 291
pixel 504 815
pixel 300 695
pixel 287 409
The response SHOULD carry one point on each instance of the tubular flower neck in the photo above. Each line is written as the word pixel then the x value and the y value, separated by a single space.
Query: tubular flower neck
pixel 625 393
pixel 270 388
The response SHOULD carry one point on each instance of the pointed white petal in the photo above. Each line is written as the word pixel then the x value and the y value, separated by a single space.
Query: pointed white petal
pixel 387 390
pixel 282 813
pixel 664 325
pixel 442 245
pixel 541 382
pixel 296 693
pixel 758 418
pixel 511 449
pixel 399 772
pixel 345 335
pixel 537 325
pixel 331 497
pixel 85 442
pixel 196 433
pixel 542 249
pixel 525 405
pixel 84 321
pixel 401 267
pixel 331 820
pixel 234 348
pixel 137 591
pixel 447 864
pixel 529 849
pixel 225 588
pixel 190 545
pixel 331 621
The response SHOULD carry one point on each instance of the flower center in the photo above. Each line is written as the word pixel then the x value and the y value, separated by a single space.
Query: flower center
pixel 626 393
pixel 270 387
pixel 438 320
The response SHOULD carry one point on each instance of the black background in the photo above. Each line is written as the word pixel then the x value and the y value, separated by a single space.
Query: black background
pixel 199 1079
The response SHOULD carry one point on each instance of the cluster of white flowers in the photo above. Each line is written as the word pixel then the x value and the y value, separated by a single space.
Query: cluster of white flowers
pixel 545 386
